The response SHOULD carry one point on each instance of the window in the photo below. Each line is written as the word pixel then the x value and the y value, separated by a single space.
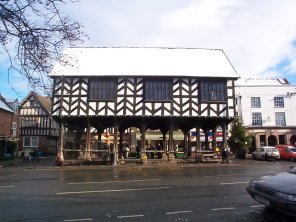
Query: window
pixel 278 101
pixel 256 119
pixel 158 90
pixel 280 119
pixel 255 102
pixel 13 129
pixel 29 122
pixel 212 91
pixel 102 89
pixel 30 141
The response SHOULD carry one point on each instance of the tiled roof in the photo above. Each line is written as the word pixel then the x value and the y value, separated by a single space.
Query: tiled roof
pixel 4 105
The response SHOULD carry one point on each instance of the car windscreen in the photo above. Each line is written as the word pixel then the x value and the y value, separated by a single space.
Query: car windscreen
pixel 271 149
pixel 293 150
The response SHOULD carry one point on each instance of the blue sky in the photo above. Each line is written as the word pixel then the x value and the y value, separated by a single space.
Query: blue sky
pixel 257 36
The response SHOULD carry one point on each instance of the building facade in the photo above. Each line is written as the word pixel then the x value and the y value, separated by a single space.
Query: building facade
pixel 267 108
pixel 38 130
pixel 9 123
pixel 165 89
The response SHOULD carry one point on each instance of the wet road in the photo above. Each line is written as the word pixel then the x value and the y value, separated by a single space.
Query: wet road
pixel 136 193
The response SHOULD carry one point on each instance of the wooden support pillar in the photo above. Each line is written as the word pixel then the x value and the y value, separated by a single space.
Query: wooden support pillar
pixel 214 139
pixel 61 139
pixel 189 143
pixel 197 145
pixel 88 141
pixel 115 145
pixel 224 131
pixel 206 131
pixel 164 146
pixel 99 133
pixel 197 142
pixel 60 157
pixel 185 140
pixel 171 156
pixel 120 144
pixel 143 155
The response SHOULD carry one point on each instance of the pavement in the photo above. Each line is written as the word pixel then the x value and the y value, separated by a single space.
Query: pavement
pixel 50 162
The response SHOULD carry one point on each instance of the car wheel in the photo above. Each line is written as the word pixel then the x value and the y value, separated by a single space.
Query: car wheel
pixel 263 158
pixel 253 156
pixel 291 159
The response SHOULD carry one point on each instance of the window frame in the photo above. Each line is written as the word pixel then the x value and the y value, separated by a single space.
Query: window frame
pixel 255 102
pixel 256 121
pixel 279 102
pixel 280 120
pixel 160 90
pixel 102 89
pixel 212 91
pixel 32 141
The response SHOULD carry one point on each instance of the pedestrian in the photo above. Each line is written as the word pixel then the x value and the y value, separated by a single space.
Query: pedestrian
pixel 137 152
pixel 224 155
pixel 125 150
pixel 35 155
pixel 227 154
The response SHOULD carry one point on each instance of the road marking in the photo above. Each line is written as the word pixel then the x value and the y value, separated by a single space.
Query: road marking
pixel 130 216
pixel 7 186
pixel 83 219
pixel 113 181
pixel 255 206
pixel 237 174
pixel 179 212
pixel 110 191
pixel 233 183
pixel 224 208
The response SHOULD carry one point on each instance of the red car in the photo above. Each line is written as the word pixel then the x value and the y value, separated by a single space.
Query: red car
pixel 287 152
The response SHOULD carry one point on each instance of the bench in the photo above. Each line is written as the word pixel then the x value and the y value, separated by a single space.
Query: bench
pixel 207 156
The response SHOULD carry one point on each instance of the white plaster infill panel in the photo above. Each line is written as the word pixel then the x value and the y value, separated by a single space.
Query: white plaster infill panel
pixel 203 107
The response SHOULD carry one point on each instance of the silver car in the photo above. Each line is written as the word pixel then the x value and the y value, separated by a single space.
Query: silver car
pixel 266 153
pixel 276 191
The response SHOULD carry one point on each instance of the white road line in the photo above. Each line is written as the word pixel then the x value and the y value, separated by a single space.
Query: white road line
pixel 224 208
pixel 113 181
pixel 233 183
pixel 257 206
pixel 83 219
pixel 179 212
pixel 130 216
pixel 236 174
pixel 110 191
pixel 7 186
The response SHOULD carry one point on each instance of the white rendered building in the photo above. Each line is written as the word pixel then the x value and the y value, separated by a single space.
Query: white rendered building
pixel 267 108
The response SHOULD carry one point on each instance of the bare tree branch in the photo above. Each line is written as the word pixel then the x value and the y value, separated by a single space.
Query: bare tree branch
pixel 39 33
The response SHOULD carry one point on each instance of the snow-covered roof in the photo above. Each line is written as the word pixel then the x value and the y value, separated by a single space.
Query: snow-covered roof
pixel 261 82
pixel 144 62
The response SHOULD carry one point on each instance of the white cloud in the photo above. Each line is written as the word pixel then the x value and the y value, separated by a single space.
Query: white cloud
pixel 256 35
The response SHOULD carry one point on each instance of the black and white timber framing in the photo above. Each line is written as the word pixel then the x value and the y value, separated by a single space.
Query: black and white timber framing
pixel 184 108
pixel 38 130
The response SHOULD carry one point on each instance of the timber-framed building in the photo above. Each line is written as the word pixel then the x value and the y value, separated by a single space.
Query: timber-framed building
pixel 103 91
pixel 38 130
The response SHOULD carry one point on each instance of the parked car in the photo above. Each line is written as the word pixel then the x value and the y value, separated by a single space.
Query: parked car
pixel 276 191
pixel 287 152
pixel 266 153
